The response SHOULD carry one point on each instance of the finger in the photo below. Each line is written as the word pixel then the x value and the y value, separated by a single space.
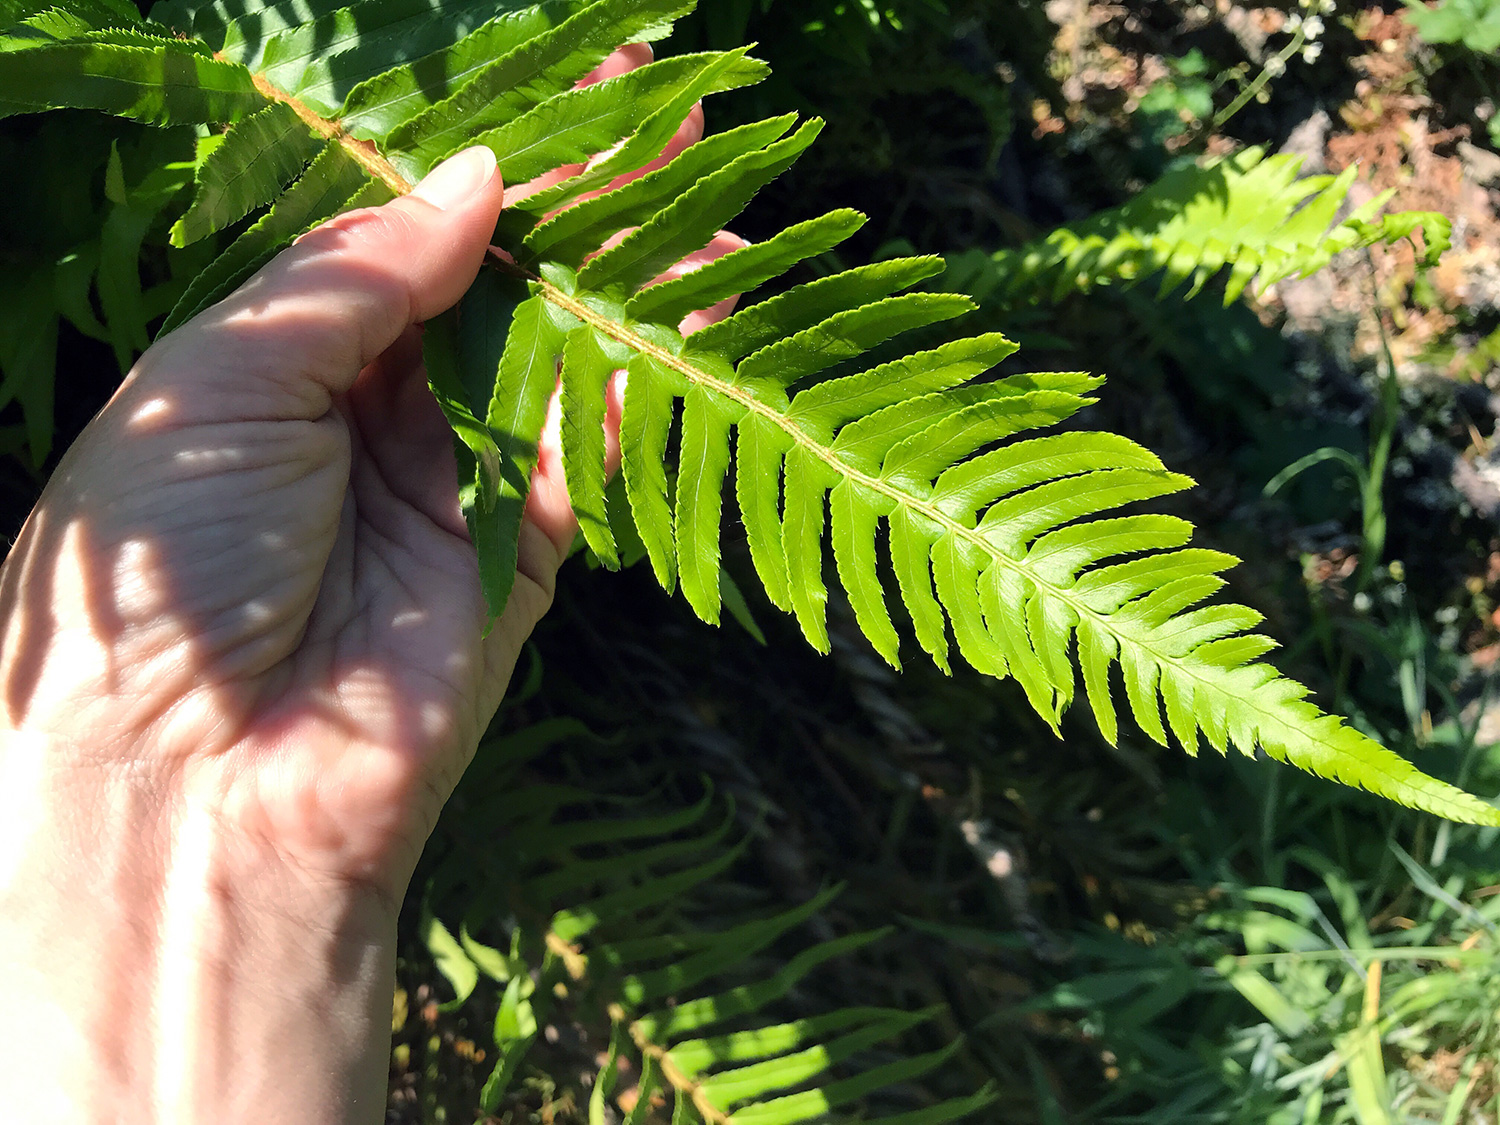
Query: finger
pixel 404 434
pixel 548 506
pixel 630 57
pixel 300 330
pixel 614 407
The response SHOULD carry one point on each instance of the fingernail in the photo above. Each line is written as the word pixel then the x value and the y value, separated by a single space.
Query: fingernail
pixel 457 179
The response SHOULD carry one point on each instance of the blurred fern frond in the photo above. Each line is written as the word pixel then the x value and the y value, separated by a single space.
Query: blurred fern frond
pixel 605 926
pixel 1247 213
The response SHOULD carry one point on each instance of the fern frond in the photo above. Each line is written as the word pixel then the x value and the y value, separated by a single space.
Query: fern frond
pixel 582 123
pixel 1025 549
pixel 321 62
pixel 28 355
pixel 690 222
pixel 1247 212
pixel 571 235
pixel 588 360
pixel 1016 546
pixel 254 21
pixel 672 995
pixel 378 104
pixel 1008 542
pixel 541 67
pixel 26 26
pixel 24 23
pixel 743 270
pixel 332 182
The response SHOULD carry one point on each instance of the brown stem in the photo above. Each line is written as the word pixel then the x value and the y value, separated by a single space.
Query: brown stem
pixel 680 1082
pixel 364 153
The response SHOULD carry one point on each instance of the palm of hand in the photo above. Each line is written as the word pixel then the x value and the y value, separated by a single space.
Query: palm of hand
pixel 266 580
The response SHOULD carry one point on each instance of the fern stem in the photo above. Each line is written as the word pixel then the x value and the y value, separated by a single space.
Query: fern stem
pixel 1383 421
pixel 680 1082
pixel 363 152
pixel 1260 81
pixel 576 965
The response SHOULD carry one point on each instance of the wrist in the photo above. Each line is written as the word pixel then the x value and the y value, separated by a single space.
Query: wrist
pixel 164 969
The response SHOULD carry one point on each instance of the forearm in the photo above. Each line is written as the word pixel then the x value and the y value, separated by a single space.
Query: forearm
pixel 158 972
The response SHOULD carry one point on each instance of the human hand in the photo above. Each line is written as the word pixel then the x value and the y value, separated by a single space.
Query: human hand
pixel 241 669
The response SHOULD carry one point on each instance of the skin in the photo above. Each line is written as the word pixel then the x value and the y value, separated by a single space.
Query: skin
pixel 241 670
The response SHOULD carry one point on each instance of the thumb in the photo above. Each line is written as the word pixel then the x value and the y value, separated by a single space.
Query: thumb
pixel 312 318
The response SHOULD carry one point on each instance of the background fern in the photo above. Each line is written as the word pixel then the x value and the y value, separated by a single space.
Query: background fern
pixel 1246 213
pixel 606 922
pixel 72 260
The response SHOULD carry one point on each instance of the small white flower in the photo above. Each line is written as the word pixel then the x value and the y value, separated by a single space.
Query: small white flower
pixel 1311 52
pixel 1275 67
pixel 1313 27
pixel 1326 7
pixel 1293 22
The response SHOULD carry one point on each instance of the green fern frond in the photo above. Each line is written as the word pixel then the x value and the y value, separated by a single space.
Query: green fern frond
pixel 1248 212
pixel 682 1003
pixel 28 23
pixel 1006 542
pixel 543 66
pixel 383 101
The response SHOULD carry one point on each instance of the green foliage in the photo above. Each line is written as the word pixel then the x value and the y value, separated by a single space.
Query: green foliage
pixel 1474 23
pixel 1334 998
pixel 247 167
pixel 943 502
pixel 1248 213
pixel 73 246
pixel 929 477
pixel 606 926
pixel 868 66
pixel 149 79
pixel 1470 30
pixel 1313 1016
pixel 1342 970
